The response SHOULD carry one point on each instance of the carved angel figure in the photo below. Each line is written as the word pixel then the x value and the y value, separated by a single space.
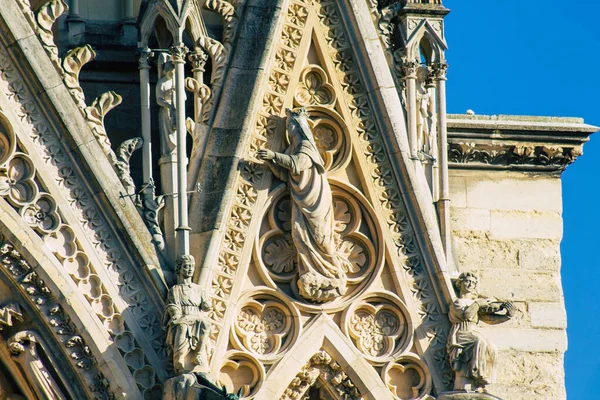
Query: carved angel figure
pixel 186 321
pixel 472 356
pixel 165 97
pixel 322 271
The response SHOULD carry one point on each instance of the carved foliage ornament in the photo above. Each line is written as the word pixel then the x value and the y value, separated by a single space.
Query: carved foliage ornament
pixel 551 157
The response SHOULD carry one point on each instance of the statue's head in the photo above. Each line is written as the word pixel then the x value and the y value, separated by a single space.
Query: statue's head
pixel 16 348
pixel 467 283
pixel 165 65
pixel 297 124
pixel 185 266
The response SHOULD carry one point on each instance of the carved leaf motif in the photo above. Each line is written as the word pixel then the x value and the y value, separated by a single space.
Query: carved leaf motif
pixel 280 256
pixel 46 16
pixel 72 63
pixel 283 214
pixel 297 14
pixel 342 215
pixel 354 253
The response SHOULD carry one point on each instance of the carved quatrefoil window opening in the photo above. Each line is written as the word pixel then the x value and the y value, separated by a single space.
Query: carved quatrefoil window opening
pixel 357 239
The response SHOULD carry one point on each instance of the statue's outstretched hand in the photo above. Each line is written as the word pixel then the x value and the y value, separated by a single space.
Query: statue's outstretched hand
pixel 510 308
pixel 265 154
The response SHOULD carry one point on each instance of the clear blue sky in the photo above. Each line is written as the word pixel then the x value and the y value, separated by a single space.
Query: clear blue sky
pixel 543 58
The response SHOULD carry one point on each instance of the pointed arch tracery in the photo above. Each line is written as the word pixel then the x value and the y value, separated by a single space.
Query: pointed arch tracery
pixel 314 65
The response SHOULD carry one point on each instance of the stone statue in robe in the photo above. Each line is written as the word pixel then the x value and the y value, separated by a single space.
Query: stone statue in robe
pixel 322 271
pixel 165 97
pixel 25 348
pixel 187 321
pixel 426 113
pixel 472 356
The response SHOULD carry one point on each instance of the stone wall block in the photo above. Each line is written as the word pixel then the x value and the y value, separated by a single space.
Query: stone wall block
pixel 548 315
pixel 536 225
pixel 528 194
pixel 537 375
pixel 469 219
pixel 518 285
pixel 530 340
pixel 458 191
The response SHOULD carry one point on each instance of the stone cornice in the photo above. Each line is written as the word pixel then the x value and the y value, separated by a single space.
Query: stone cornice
pixel 523 143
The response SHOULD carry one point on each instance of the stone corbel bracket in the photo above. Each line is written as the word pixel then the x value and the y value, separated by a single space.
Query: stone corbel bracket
pixel 504 142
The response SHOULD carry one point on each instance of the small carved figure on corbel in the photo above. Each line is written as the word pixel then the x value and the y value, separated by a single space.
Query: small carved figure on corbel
pixel 124 153
pixel 165 97
pixel 472 356
pixel 322 271
pixel 187 322
pixel 25 348
pixel 10 313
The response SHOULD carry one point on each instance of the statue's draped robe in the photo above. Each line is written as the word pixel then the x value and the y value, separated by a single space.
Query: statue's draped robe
pixel 187 326
pixel 166 114
pixel 312 218
pixel 470 353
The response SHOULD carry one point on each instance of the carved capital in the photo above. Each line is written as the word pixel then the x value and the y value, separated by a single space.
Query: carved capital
pixel 198 59
pixel 145 55
pixel 409 68
pixel 439 70
pixel 178 53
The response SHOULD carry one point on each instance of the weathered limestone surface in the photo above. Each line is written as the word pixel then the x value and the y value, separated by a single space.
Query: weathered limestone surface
pixel 507 226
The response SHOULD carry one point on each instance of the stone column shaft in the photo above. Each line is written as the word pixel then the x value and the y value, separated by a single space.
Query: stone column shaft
pixel 444 188
pixel 146 116
pixel 178 52
pixel 410 75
